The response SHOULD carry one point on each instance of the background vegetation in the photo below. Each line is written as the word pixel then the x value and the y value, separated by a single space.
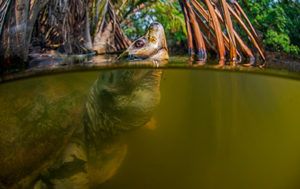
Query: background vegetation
pixel 277 21
pixel 167 12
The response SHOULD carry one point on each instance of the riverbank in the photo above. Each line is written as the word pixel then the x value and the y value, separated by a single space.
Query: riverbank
pixel 283 61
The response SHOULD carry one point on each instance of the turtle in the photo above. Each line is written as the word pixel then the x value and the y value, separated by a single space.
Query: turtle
pixel 82 147
pixel 151 46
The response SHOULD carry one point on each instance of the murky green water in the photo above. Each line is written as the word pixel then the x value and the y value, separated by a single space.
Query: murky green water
pixel 210 130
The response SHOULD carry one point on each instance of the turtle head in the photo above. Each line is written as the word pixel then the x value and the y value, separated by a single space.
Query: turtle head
pixel 151 46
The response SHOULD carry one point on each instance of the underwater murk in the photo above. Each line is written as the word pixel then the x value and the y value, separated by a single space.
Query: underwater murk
pixel 150 128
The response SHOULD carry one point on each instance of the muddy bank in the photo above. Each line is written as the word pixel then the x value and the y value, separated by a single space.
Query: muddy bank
pixel 283 61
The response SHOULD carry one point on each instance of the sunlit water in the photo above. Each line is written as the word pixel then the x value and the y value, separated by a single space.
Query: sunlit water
pixel 212 130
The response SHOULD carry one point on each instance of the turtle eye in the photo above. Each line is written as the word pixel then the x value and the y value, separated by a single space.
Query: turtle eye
pixel 139 43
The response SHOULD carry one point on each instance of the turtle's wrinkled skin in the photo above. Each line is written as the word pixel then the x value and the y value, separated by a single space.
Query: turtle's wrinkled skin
pixel 119 101
pixel 81 147
pixel 151 46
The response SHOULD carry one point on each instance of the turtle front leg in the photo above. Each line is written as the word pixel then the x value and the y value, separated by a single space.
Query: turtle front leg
pixel 69 172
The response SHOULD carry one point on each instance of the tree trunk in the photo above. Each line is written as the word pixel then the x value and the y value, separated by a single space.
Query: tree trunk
pixel 17 29
pixel 36 26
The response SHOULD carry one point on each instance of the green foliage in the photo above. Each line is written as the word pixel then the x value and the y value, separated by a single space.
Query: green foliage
pixel 280 42
pixel 278 21
pixel 167 12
